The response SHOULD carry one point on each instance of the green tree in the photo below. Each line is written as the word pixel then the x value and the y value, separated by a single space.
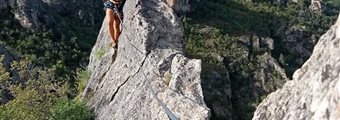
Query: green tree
pixel 70 110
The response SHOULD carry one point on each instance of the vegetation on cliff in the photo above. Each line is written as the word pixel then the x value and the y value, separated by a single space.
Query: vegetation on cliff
pixel 227 36
pixel 50 64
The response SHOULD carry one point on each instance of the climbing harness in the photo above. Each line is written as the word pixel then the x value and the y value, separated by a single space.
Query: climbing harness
pixel 165 108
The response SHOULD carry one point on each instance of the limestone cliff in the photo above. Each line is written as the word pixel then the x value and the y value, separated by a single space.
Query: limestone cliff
pixel 149 58
pixel 313 94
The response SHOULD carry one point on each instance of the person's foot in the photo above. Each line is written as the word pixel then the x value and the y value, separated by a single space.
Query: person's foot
pixel 114 45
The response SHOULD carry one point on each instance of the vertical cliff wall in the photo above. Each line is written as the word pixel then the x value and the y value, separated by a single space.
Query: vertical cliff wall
pixel 149 57
pixel 314 92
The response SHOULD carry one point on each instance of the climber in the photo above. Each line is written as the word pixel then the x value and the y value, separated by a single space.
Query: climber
pixel 114 14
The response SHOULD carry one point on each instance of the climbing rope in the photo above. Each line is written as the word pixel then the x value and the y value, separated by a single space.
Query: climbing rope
pixel 165 108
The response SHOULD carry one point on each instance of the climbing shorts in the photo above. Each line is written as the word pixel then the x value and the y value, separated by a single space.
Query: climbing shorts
pixel 110 5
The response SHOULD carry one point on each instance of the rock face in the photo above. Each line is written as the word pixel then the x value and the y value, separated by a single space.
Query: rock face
pixel 149 58
pixel 235 82
pixel 180 6
pixel 34 14
pixel 315 5
pixel 6 62
pixel 263 77
pixel 314 92
pixel 7 58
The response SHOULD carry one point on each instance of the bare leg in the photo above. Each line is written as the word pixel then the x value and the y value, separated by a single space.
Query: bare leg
pixel 110 18
pixel 116 27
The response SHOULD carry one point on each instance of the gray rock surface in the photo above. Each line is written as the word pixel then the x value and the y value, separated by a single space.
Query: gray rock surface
pixel 151 45
pixel 314 92
pixel 296 43
pixel 315 5
pixel 270 75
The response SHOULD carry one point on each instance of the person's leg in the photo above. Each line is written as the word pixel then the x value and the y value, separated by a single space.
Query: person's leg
pixel 116 27
pixel 110 18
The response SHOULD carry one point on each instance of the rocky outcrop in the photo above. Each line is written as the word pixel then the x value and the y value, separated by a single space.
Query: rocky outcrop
pixel 34 14
pixel 180 6
pixel 253 80
pixel 313 94
pixel 270 75
pixel 315 6
pixel 238 72
pixel 298 44
pixel 149 60
pixel 6 58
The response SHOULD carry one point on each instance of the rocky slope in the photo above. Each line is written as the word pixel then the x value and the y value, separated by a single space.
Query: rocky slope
pixel 239 73
pixel 243 63
pixel 5 62
pixel 313 94
pixel 149 58
pixel 7 57
pixel 34 14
